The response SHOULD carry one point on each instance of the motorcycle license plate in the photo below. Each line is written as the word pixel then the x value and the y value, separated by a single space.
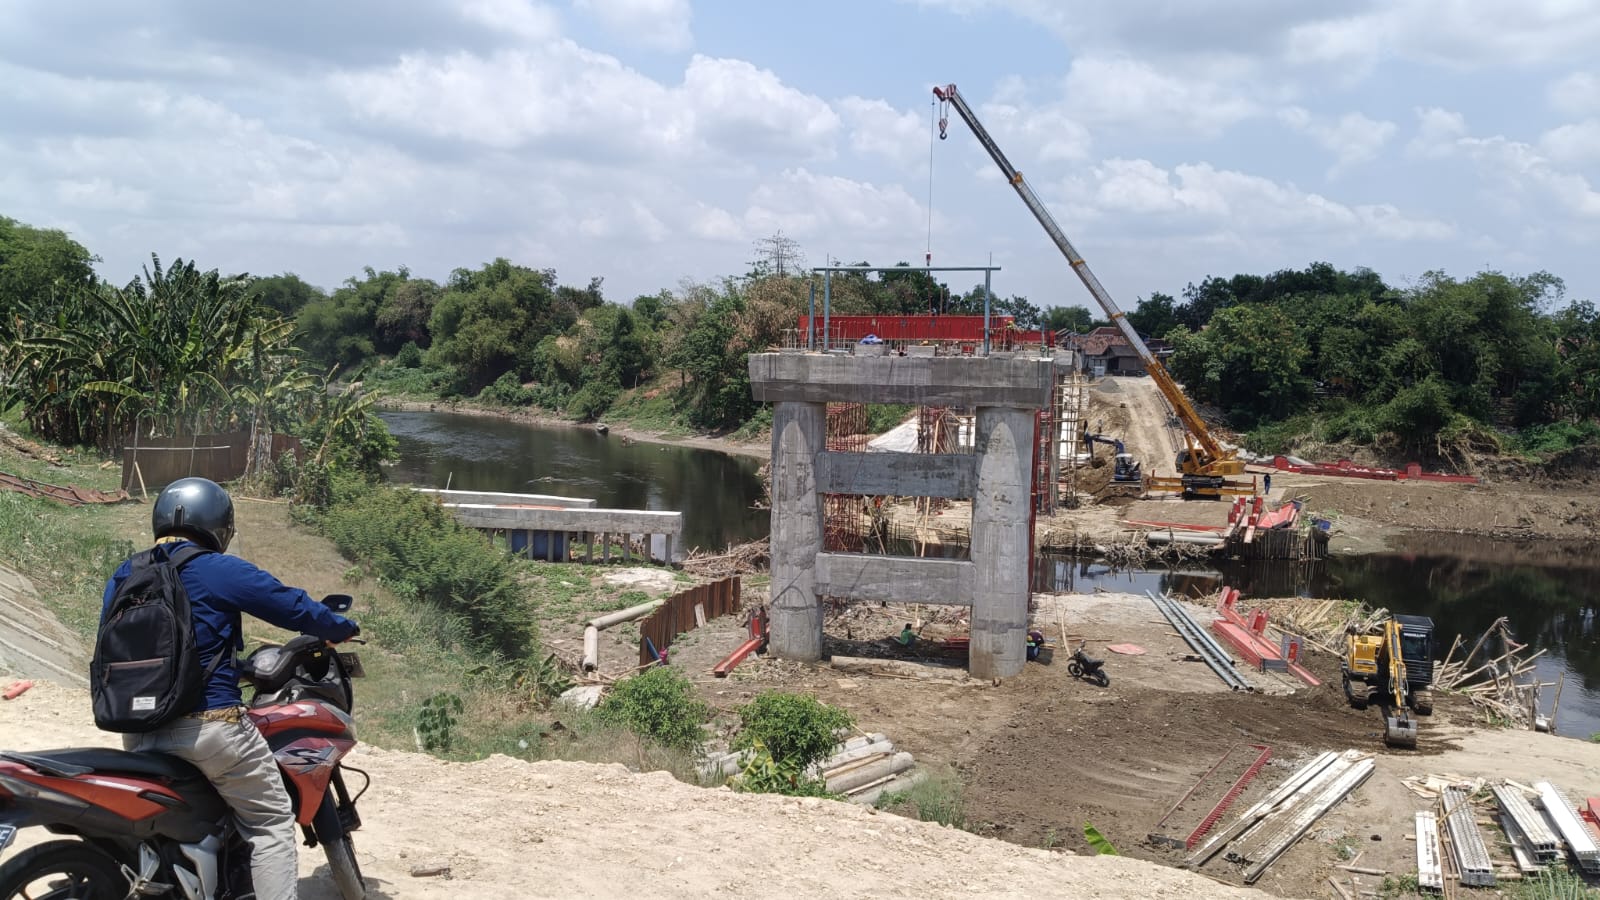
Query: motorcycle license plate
pixel 7 832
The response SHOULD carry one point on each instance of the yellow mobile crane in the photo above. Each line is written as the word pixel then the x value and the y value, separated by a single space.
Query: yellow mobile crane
pixel 1203 465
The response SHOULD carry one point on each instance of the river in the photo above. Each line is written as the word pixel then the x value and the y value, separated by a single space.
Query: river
pixel 1463 585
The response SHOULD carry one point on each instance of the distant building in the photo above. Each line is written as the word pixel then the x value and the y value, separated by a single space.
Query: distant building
pixel 1104 351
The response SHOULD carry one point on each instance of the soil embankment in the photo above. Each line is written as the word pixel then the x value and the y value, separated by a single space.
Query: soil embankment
pixel 512 829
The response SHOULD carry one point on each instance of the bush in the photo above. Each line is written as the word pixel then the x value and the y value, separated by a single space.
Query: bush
pixel 797 729
pixel 507 390
pixel 937 799
pixel 409 357
pixel 1543 440
pixel 658 704
pixel 423 554
pixel 592 401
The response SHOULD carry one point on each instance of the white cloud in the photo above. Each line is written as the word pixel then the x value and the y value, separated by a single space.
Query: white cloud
pixel 742 106
pixel 589 106
pixel 1201 197
pixel 1030 130
pixel 878 129
pixel 1577 94
pixel 1577 143
pixel 661 24
pixel 1437 133
pixel 1136 95
pixel 523 18
pixel 1352 138
pixel 828 207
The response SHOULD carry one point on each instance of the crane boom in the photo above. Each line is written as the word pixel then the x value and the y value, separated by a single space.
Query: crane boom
pixel 1204 456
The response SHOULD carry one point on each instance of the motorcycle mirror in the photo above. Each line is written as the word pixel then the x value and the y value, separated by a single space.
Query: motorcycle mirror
pixel 338 602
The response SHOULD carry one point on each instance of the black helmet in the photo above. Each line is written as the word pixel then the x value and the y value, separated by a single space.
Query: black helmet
pixel 195 508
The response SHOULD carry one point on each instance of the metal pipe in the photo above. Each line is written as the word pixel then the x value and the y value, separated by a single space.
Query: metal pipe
pixel 1205 635
pixel 1198 640
pixel 827 306
pixel 811 320
pixel 985 313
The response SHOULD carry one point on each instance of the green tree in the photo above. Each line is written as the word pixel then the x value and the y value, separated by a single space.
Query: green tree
pixel 285 294
pixel 340 329
pixel 403 316
pixel 40 268
pixel 1155 316
pixel 1248 361
pixel 1075 319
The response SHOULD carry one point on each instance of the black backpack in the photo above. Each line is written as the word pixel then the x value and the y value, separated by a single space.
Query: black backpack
pixel 146 669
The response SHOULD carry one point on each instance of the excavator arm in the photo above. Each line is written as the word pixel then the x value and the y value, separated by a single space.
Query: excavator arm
pixel 1204 456
pixel 1400 729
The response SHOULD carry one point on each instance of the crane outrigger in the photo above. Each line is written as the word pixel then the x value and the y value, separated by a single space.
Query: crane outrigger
pixel 1204 466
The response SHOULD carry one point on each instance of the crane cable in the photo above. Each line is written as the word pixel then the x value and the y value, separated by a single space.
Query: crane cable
pixel 927 256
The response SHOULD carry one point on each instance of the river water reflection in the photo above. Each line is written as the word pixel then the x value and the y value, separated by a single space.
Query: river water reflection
pixel 714 491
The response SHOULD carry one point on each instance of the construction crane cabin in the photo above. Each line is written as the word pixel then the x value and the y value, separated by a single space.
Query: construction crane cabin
pixel 1204 467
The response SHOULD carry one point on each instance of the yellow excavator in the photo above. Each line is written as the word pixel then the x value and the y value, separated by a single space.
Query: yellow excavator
pixel 1395 668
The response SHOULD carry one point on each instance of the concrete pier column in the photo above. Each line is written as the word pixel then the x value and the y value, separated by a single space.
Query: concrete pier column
pixel 799 433
pixel 1000 551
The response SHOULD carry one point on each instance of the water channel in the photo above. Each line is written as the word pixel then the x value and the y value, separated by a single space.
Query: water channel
pixel 1464 585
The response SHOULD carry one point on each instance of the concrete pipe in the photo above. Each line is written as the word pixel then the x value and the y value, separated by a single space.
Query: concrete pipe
pixel 591 648
pixel 623 615
pixel 904 782
pixel 866 774
pixel 862 752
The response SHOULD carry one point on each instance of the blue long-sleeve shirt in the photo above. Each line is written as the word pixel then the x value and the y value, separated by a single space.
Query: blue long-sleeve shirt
pixel 220 588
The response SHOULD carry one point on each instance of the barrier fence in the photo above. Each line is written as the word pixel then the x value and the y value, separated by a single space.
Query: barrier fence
pixel 677 615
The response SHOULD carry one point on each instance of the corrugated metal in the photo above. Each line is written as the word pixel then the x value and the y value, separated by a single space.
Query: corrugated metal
pixel 676 616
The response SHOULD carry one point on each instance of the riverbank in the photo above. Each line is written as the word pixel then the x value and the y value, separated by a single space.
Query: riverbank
pixel 622 430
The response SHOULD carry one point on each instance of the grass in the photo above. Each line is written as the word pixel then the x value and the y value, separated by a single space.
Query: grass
pixel 940 798
pixel 649 408
pixel 1553 884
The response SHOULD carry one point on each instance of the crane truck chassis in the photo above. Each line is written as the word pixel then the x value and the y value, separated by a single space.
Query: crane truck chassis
pixel 1204 466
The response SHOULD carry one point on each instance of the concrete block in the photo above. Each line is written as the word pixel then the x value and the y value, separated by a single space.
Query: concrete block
pixel 896 579
pixel 1023 383
pixel 953 475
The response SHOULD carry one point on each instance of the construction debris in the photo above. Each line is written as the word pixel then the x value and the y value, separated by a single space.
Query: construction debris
pixel 71 496
pixel 862 768
pixel 1492 684
pixel 742 559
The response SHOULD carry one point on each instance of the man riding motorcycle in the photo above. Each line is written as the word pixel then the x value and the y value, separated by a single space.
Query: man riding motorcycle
pixel 217 737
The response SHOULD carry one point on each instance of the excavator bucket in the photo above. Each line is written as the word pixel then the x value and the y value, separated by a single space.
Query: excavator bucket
pixel 1400 731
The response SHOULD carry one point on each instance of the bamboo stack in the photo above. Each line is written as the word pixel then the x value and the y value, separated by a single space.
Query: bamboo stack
pixel 1322 623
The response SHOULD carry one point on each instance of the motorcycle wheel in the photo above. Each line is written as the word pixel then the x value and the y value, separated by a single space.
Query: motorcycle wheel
pixel 62 870
pixel 1102 679
pixel 1075 670
pixel 341 852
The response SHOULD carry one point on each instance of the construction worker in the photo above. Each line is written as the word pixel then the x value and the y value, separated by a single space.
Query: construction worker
pixel 1035 644
pixel 907 638
pixel 1266 485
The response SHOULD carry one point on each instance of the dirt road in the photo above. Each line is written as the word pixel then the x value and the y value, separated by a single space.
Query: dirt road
pixel 514 829
pixel 1133 410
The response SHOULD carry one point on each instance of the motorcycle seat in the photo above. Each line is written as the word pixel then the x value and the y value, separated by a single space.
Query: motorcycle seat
pixel 105 759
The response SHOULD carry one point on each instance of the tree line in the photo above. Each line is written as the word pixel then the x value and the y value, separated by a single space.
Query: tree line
pixel 1437 368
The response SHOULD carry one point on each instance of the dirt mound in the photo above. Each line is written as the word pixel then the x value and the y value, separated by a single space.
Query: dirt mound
pixel 512 829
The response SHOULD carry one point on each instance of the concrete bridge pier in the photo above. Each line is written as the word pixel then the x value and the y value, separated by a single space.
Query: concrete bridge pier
pixel 1001 548
pixel 799 435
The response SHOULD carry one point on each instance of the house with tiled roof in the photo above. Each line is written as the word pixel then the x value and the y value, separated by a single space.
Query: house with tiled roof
pixel 1104 351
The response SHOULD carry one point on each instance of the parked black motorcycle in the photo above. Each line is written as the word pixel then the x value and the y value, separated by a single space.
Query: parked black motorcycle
pixel 1081 665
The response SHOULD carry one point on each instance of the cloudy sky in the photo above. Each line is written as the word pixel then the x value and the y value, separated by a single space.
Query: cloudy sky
pixel 648 141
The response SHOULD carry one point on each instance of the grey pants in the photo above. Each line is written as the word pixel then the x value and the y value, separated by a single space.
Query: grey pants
pixel 235 757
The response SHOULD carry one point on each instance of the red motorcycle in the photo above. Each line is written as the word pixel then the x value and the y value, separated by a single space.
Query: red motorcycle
pixel 151 825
